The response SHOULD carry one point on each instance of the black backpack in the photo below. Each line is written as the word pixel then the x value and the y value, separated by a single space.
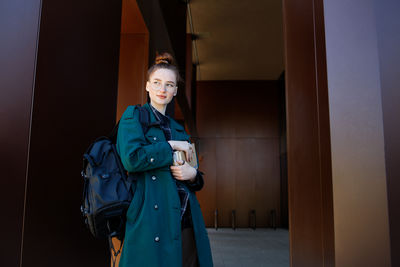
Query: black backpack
pixel 107 189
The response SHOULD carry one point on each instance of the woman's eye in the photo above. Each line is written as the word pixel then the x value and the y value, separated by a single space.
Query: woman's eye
pixel 169 85
pixel 156 82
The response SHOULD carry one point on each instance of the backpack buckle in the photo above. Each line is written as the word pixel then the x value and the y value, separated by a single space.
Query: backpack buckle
pixel 83 174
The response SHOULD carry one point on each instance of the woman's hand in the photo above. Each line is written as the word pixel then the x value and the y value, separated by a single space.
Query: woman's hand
pixel 184 172
pixel 182 146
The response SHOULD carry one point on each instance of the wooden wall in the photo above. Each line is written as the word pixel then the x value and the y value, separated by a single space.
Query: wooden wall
pixel 133 58
pixel 311 228
pixel 238 125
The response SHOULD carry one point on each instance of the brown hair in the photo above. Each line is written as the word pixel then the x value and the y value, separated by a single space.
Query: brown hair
pixel 164 61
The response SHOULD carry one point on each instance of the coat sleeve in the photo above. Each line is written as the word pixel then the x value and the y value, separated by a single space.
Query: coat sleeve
pixel 137 155
pixel 198 183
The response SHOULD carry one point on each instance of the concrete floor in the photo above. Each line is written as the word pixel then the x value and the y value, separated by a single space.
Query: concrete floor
pixel 248 248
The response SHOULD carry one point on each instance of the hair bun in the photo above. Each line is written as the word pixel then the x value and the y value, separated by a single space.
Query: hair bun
pixel 164 58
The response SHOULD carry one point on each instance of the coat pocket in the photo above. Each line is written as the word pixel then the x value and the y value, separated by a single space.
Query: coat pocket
pixel 136 204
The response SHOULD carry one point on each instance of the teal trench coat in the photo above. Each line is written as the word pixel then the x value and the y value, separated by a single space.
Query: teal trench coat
pixel 153 229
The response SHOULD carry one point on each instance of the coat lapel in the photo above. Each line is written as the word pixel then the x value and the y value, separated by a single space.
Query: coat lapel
pixel 177 130
pixel 152 117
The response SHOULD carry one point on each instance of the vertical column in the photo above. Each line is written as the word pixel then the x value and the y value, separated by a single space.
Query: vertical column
pixel 358 159
pixel 74 103
pixel 308 146
pixel 388 23
pixel 133 58
pixel 19 26
pixel 189 71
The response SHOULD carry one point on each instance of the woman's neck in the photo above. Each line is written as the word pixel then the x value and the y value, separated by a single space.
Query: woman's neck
pixel 159 108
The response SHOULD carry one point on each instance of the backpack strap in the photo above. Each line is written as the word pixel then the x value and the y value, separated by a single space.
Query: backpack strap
pixel 114 132
pixel 144 119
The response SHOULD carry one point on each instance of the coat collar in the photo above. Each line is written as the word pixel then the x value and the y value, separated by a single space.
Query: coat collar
pixel 153 120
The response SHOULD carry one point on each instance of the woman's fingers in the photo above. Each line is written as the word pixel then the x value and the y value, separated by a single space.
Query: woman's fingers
pixel 176 172
pixel 183 172
pixel 183 146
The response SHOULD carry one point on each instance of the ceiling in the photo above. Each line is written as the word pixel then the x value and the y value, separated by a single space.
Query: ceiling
pixel 238 40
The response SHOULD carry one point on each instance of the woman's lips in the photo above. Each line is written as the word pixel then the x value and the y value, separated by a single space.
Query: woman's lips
pixel 162 96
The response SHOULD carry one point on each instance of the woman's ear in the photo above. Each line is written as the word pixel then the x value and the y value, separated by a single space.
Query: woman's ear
pixel 147 86
pixel 176 91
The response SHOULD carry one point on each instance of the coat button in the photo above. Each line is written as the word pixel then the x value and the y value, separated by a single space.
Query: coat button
pixel 156 206
pixel 155 138
pixel 152 160
pixel 157 239
pixel 153 178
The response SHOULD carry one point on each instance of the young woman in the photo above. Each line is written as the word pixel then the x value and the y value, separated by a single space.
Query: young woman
pixel 164 225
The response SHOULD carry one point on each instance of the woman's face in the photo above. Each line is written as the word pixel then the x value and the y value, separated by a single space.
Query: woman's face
pixel 162 86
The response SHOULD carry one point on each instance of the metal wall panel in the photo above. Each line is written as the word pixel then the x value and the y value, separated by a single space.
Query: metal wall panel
pixel 74 103
pixel 19 26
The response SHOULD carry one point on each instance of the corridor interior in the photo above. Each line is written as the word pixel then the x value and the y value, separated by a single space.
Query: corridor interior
pixel 239 106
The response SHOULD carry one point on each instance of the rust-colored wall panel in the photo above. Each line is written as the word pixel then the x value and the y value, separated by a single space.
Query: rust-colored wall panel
pixel 133 58
pixel 206 112
pixel 132 71
pixel 244 179
pixel 260 116
pixel 132 19
pixel 309 169
pixel 267 163
pixel 245 129
pixel 220 120
pixel 225 115
pixel 226 179
pixel 208 195
pixel 189 70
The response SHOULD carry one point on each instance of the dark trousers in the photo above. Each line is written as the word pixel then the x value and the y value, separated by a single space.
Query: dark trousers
pixel 189 251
